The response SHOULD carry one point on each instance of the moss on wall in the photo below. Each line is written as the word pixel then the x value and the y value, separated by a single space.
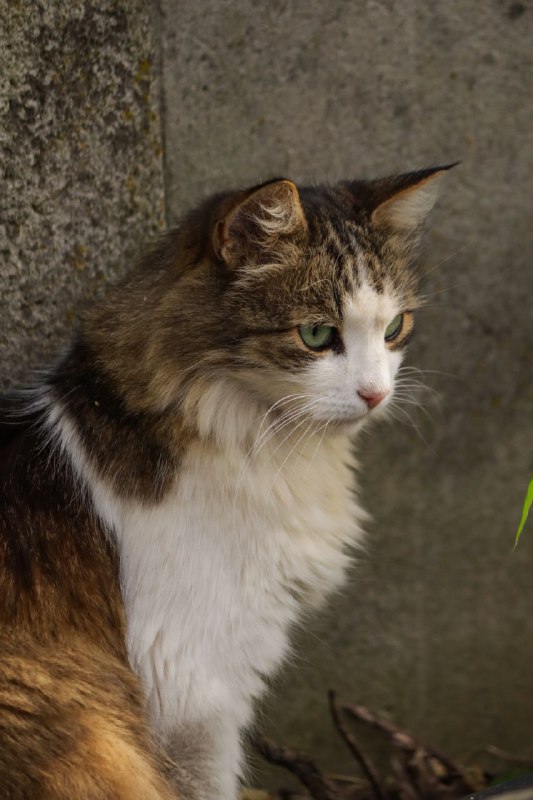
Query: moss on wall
pixel 80 149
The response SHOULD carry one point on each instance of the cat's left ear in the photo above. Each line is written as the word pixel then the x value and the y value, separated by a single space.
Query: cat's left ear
pixel 401 203
pixel 257 221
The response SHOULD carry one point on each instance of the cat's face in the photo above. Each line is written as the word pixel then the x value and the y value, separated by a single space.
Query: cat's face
pixel 356 376
pixel 331 354
pixel 323 312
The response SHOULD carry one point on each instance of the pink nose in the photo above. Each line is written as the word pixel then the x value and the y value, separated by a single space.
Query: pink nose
pixel 372 399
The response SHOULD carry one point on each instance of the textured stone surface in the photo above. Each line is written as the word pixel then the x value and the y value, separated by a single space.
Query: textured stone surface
pixel 437 624
pixel 81 161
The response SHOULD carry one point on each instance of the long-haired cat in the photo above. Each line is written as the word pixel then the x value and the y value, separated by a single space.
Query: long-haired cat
pixel 180 489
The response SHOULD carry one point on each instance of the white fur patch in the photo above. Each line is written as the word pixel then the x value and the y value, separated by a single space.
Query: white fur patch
pixel 366 365
pixel 216 574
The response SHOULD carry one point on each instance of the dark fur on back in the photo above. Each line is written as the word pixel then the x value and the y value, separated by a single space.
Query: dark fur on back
pixel 69 704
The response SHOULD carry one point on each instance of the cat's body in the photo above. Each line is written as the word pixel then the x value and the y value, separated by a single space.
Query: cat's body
pixel 189 466
pixel 210 606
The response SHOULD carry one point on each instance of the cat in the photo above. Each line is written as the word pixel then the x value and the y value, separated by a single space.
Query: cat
pixel 180 489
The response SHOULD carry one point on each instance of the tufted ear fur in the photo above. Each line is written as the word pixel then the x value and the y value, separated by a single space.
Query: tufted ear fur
pixel 402 202
pixel 257 222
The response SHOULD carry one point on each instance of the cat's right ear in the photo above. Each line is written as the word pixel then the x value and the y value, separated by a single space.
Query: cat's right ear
pixel 257 222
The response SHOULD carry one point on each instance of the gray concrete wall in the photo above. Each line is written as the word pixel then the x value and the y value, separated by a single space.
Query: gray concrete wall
pixel 81 160
pixel 437 625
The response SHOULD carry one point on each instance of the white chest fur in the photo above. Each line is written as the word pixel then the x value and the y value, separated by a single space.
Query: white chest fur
pixel 215 575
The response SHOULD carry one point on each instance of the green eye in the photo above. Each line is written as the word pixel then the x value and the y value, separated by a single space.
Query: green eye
pixel 393 328
pixel 317 337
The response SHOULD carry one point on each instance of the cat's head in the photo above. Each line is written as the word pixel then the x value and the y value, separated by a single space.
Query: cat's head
pixel 322 291
pixel 300 300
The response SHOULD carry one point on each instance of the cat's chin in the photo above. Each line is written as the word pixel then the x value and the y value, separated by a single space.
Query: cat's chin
pixel 347 426
pixel 351 425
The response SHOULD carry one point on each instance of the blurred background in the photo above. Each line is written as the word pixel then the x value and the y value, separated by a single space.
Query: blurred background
pixel 118 116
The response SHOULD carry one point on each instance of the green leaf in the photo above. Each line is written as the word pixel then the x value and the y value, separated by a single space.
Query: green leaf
pixel 525 511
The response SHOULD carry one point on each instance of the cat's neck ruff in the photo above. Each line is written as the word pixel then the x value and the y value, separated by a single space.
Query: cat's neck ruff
pixel 216 573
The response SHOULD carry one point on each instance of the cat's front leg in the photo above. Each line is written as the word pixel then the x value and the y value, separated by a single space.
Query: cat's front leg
pixel 206 759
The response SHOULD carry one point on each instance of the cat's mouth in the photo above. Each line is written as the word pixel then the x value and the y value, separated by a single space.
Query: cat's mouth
pixel 355 419
pixel 348 422
pixel 347 426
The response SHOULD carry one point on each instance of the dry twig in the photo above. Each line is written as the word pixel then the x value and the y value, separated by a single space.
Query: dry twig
pixel 419 771
pixel 301 765
pixel 503 755
pixel 428 769
pixel 366 764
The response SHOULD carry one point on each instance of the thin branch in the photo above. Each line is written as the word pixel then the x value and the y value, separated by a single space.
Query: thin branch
pixel 299 764
pixel 365 763
pixel 510 757
pixel 401 738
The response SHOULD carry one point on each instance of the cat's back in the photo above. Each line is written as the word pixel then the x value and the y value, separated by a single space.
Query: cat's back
pixel 70 719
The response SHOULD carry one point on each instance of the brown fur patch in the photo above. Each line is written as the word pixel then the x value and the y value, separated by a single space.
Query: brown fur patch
pixel 63 664
pixel 71 725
